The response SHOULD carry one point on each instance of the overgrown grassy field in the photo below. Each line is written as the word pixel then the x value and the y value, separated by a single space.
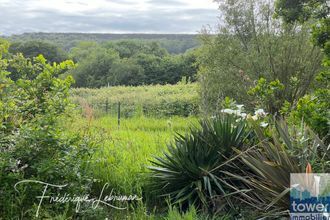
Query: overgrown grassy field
pixel 126 151
pixel 151 117
pixel 152 100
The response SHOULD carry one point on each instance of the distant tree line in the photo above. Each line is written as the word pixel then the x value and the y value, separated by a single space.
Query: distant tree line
pixel 173 43
pixel 126 62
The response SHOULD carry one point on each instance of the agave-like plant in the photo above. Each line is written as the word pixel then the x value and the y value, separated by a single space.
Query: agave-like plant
pixel 266 168
pixel 183 173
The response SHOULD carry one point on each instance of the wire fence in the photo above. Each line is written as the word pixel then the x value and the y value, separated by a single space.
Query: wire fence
pixel 127 110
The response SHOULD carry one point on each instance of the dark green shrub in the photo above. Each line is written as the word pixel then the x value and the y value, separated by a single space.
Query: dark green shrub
pixel 184 172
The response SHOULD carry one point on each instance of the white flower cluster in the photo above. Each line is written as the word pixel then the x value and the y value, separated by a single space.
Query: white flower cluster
pixel 239 111
pixel 258 114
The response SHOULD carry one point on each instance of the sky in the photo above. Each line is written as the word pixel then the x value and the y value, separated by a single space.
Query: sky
pixel 107 16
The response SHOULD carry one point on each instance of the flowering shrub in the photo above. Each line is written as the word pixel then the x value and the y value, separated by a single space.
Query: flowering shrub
pixel 239 112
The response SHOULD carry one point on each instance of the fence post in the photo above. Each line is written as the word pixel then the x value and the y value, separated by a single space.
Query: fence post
pixel 107 106
pixel 118 115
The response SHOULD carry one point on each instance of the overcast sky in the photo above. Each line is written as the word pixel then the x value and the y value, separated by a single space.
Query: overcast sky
pixel 106 16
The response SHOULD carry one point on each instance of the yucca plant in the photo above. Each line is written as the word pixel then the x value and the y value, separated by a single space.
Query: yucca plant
pixel 266 171
pixel 303 143
pixel 183 173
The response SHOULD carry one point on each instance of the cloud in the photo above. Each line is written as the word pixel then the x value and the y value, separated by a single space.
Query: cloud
pixel 171 3
pixel 105 16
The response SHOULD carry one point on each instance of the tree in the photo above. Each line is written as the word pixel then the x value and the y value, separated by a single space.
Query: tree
pixel 31 49
pixel 126 72
pixel 314 11
pixel 82 50
pixel 129 48
pixel 93 71
pixel 152 67
pixel 252 45
pixel 135 63
pixel 313 108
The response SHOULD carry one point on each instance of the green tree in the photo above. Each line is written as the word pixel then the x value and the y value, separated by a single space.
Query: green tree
pixel 82 50
pixel 135 63
pixel 129 48
pixel 252 44
pixel 126 72
pixel 313 108
pixel 34 48
pixel 94 70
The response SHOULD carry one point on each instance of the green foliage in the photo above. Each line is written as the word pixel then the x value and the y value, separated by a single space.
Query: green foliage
pixel 126 72
pixel 304 145
pixel 300 10
pixel 129 63
pixel 174 214
pixel 93 71
pixel 268 176
pixel 32 143
pixel 4 45
pixel 266 167
pixel 316 12
pixel 34 48
pixel 321 36
pixel 184 172
pixel 127 49
pixel 173 43
pixel 157 101
pixel 267 95
pixel 124 154
pixel 314 108
pixel 250 45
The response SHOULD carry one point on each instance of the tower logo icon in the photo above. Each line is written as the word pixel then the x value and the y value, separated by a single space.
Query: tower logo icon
pixel 310 196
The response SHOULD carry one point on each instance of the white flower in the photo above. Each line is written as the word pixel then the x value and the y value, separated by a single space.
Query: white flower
pixel 263 124
pixel 240 107
pixel 243 115
pixel 260 113
pixel 254 117
pixel 237 112
pixel 227 110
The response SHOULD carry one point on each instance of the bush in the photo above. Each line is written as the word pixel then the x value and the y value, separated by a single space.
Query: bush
pixel 314 108
pixel 266 168
pixel 32 144
pixel 267 95
pixel 184 172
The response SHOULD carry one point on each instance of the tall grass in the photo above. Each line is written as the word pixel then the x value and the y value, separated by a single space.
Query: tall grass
pixel 154 100
pixel 126 151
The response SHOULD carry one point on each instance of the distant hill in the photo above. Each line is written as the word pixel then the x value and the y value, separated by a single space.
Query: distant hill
pixel 174 43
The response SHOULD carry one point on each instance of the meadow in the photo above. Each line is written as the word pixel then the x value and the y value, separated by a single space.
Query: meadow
pixel 125 152
pixel 150 100
pixel 252 107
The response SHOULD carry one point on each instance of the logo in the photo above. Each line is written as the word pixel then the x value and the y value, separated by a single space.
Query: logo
pixel 108 200
pixel 310 196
